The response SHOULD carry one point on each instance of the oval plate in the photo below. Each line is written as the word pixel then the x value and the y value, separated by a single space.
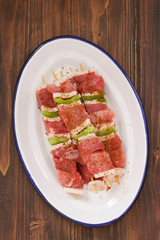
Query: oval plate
pixel 32 144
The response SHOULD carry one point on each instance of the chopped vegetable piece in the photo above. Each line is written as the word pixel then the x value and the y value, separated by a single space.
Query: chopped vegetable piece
pixel 50 114
pixel 102 100
pixel 55 140
pixel 67 101
pixel 99 98
pixel 89 129
pixel 105 131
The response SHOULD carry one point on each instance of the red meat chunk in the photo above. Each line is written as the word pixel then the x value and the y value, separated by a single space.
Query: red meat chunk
pixel 65 87
pixel 73 115
pixel 92 108
pixel 65 165
pixel 58 152
pixel 99 162
pixel 56 127
pixel 72 180
pixel 44 97
pixel 72 154
pixel 112 143
pixel 82 78
pixel 92 85
pixel 89 145
pixel 86 174
pixel 117 157
pixel 102 116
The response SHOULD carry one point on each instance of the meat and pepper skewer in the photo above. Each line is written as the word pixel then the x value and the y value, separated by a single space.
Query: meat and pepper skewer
pixel 101 116
pixel 74 115
pixel 57 136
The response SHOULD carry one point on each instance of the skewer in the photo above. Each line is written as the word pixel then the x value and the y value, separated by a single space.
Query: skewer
pixel 108 182
pixel 81 67
pixel 105 177
pixel 94 186
pixel 55 78
pixel 43 80
pixel 75 195
pixel 117 179
pixel 61 74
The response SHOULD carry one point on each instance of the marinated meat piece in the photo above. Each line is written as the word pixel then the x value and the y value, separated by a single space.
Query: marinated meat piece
pixel 117 158
pixel 102 116
pixel 65 165
pixel 72 180
pixel 55 127
pixel 113 143
pixel 44 97
pixel 89 145
pixel 92 108
pixel 73 115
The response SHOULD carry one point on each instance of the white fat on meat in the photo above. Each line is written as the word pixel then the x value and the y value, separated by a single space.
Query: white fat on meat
pixel 52 119
pixel 43 108
pixel 90 94
pixel 107 137
pixel 64 95
pixel 104 126
pixel 78 191
pixel 111 173
pixel 78 129
pixel 52 134
pixel 99 184
pixel 74 103
pixel 94 102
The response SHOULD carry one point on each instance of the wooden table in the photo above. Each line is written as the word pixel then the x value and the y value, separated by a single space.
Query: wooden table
pixel 128 30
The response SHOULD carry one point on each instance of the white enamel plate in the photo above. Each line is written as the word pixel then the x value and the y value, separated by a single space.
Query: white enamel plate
pixel 33 147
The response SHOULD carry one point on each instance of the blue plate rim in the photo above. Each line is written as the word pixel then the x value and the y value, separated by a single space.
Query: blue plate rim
pixel 16 141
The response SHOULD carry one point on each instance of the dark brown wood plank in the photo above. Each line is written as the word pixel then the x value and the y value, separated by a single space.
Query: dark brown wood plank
pixel 130 32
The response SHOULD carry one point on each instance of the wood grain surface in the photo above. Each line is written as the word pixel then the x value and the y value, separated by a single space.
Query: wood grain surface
pixel 130 31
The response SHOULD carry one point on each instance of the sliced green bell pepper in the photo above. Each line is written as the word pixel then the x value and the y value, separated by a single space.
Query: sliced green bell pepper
pixel 87 130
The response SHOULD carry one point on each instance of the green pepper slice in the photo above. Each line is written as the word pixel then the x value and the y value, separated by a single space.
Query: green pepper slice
pixel 50 114
pixel 99 98
pixel 66 101
pixel 87 130
pixel 106 131
pixel 55 140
